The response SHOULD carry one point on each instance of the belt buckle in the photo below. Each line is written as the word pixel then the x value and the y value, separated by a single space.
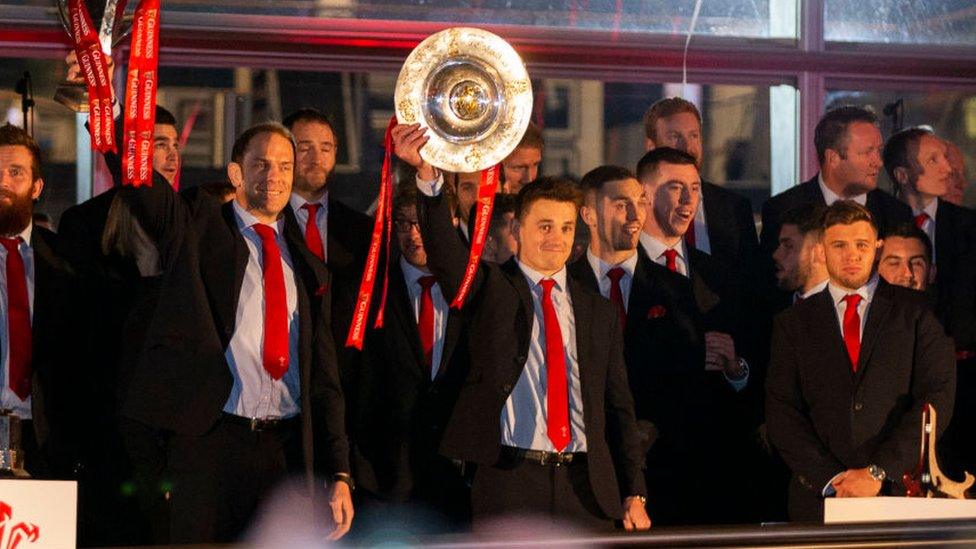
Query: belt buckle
pixel 255 424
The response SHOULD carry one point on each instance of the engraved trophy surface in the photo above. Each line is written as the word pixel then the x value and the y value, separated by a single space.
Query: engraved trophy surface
pixel 471 89
pixel 11 454
pixel 113 28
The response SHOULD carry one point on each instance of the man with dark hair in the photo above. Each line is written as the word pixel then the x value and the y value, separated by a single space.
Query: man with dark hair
pixel 723 226
pixel 521 166
pixel 501 245
pixel 850 371
pixel 466 189
pixel 545 443
pixel 38 382
pixel 239 363
pixel 800 268
pixel 410 383
pixel 906 258
pixel 849 147
pixel 702 331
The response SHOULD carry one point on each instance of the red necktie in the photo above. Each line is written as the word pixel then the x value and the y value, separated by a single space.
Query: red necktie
pixel 275 304
pixel 920 220
pixel 617 295
pixel 557 387
pixel 18 320
pixel 425 318
pixel 670 255
pixel 852 329
pixel 313 239
pixel 690 234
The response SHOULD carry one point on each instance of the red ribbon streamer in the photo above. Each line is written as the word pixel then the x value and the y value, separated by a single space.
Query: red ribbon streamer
pixel 94 68
pixel 381 228
pixel 140 96
pixel 486 201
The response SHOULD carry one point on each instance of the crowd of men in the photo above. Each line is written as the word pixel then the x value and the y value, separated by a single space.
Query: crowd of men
pixel 182 354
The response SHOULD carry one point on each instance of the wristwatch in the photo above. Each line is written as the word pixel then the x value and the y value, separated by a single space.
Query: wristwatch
pixel 344 477
pixel 877 473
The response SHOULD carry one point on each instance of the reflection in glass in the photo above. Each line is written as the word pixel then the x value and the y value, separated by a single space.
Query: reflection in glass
pixel 900 21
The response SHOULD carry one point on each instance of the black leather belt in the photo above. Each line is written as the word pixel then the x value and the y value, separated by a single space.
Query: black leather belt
pixel 256 424
pixel 542 457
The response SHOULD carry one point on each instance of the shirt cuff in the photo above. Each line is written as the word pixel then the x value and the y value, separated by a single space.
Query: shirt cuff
pixel 828 490
pixel 431 188
pixel 116 108
pixel 740 383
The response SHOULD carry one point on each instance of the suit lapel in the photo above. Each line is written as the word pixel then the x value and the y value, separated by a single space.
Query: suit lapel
pixel 337 255
pixel 217 244
pixel 943 226
pixel 716 218
pixel 583 314
pixel 873 324
pixel 523 323
pixel 827 339
pixel 401 308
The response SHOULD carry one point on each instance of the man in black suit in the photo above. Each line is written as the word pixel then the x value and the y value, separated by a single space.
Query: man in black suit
pixel 336 235
pixel 37 378
pixel 689 317
pixel 800 268
pixel 918 162
pixel 410 383
pixel 850 371
pixel 239 365
pixel 544 411
pixel 849 147
pixel 724 226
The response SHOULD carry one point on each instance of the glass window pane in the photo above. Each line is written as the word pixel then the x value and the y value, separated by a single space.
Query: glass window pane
pixel 753 19
pixel 900 21
pixel 951 114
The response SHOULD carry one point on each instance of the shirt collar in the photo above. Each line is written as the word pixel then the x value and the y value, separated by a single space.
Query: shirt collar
pixel 411 273
pixel 813 291
pixel 830 196
pixel 534 276
pixel 601 267
pixel 297 201
pixel 929 210
pixel 245 219
pixel 866 292
pixel 26 233
pixel 655 248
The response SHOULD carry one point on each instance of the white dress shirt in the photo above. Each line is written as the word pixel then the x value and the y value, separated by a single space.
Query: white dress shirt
pixel 702 242
pixel 655 250
pixel 523 420
pixel 255 393
pixel 321 217
pixel 929 226
pixel 830 196
pixel 9 399
pixel 600 269
pixel 411 275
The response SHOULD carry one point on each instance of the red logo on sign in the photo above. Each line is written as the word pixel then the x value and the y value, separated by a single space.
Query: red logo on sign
pixel 12 534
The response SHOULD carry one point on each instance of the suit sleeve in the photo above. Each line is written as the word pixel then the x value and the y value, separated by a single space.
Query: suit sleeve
pixel 328 405
pixel 933 381
pixel 447 256
pixel 624 438
pixel 787 421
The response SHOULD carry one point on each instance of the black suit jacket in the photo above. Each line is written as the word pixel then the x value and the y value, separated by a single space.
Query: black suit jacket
pixel 824 418
pixel 731 227
pixel 182 380
pixel 404 411
pixel 955 277
pixel 499 316
pixel 55 398
pixel 887 211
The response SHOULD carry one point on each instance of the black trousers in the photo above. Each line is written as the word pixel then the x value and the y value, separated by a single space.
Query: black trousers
pixel 220 478
pixel 527 490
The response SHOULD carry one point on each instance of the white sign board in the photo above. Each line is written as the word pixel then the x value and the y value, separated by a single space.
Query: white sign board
pixel 38 514
pixel 888 509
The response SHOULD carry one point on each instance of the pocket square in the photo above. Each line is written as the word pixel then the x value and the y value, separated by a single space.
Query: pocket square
pixel 656 311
